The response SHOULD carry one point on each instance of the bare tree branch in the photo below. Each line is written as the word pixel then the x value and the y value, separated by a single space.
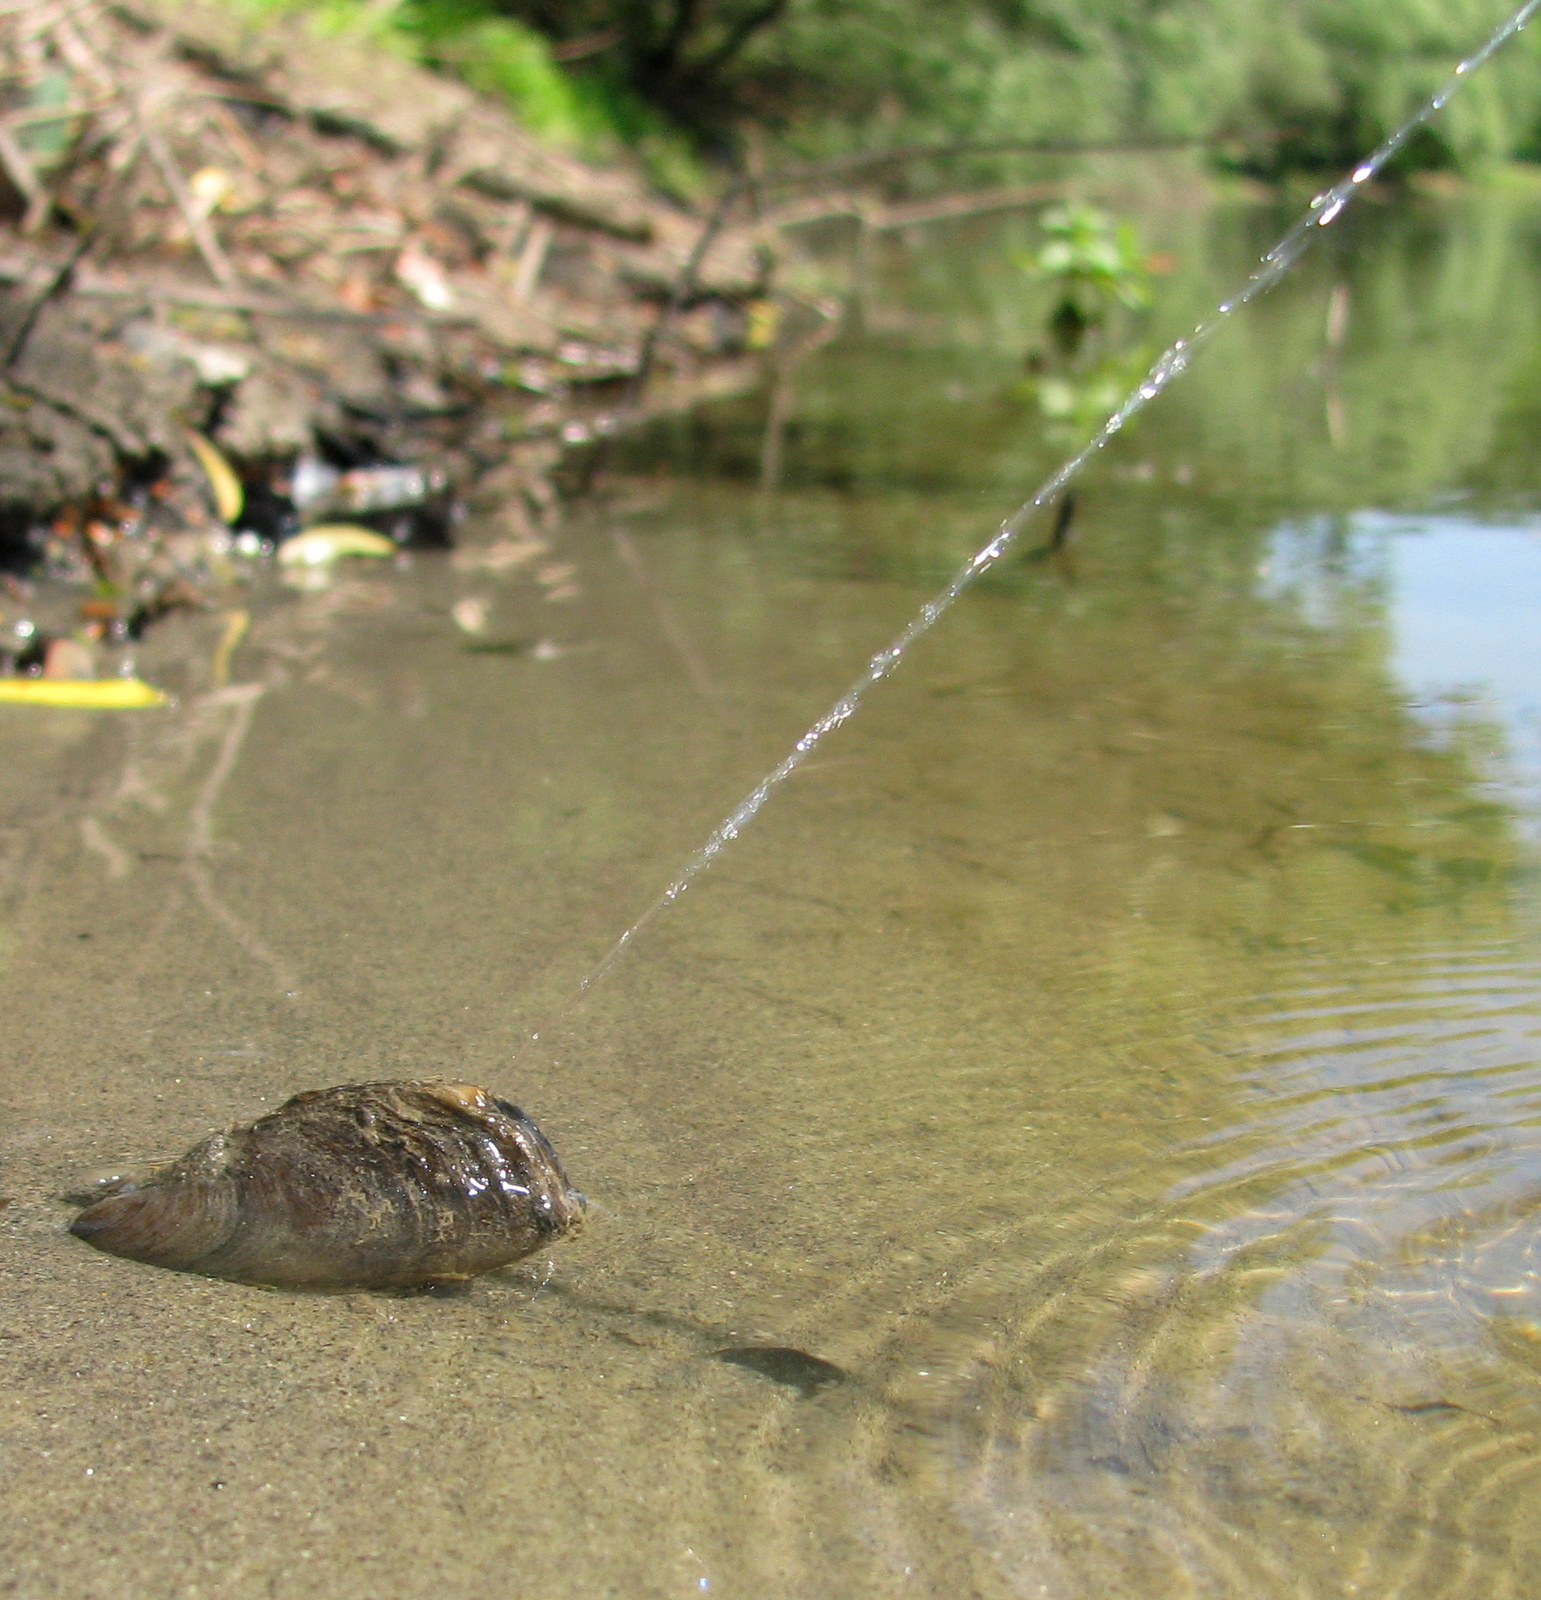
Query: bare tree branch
pixel 668 52
pixel 738 36
pixel 214 257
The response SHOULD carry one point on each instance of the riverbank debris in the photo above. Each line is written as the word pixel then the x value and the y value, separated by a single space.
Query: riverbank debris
pixel 254 279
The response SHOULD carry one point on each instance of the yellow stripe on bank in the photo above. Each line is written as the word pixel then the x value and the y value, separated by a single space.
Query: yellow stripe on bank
pixel 91 694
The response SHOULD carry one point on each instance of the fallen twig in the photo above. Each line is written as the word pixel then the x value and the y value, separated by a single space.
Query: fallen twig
pixel 56 286
pixel 203 236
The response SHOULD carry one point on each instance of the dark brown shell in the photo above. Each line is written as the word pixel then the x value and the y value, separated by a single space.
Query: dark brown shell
pixel 373 1185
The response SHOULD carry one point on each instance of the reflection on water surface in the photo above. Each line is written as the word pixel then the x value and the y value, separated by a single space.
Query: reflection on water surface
pixel 1080 1142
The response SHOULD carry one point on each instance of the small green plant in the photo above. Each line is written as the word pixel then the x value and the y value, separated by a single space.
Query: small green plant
pixel 504 57
pixel 1094 264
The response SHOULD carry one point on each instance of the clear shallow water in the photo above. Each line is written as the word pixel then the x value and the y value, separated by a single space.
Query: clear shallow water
pixel 1116 1052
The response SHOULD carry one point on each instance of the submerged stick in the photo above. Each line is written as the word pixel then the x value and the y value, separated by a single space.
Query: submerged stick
pixel 1323 211
pixel 1060 537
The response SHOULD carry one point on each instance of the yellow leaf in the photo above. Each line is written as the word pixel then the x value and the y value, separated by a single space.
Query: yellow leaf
pixel 329 541
pixel 91 694
pixel 764 322
pixel 226 487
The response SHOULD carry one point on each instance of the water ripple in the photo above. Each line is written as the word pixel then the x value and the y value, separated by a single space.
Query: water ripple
pixel 1311 1366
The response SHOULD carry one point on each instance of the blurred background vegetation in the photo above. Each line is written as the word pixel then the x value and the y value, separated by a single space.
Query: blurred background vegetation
pixel 1293 85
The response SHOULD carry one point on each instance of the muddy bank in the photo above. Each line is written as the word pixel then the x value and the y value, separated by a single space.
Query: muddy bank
pixel 252 277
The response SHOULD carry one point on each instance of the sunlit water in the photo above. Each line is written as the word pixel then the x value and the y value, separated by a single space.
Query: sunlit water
pixel 1462 619
pixel 1116 1052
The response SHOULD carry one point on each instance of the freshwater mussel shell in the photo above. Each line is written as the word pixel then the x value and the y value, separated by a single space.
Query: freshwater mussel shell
pixel 371 1185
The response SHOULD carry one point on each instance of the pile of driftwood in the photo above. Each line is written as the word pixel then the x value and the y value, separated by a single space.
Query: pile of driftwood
pixel 247 243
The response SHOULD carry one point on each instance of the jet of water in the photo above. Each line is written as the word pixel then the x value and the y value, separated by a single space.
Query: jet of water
pixel 1323 211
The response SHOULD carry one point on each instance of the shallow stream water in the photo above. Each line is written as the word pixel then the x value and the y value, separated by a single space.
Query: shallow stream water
pixel 1115 1054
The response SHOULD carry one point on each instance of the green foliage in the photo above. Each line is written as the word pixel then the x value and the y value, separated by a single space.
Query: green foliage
pixel 1092 261
pixel 1302 83
pixel 1342 73
pixel 493 52
pixel 502 56
pixel 1093 267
